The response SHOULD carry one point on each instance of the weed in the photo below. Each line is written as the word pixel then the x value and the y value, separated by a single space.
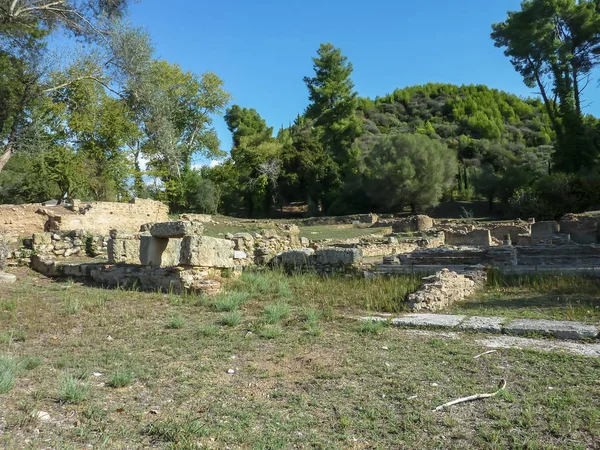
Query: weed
pixel 270 331
pixel 8 370
pixel 208 331
pixel 9 305
pixel 231 318
pixel 13 336
pixel 120 378
pixel 73 305
pixel 176 322
pixel 71 390
pixel 180 432
pixel 274 313
pixel 31 362
pixel 230 301
pixel 373 326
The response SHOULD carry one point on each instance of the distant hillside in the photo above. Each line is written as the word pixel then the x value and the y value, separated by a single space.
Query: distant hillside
pixel 484 125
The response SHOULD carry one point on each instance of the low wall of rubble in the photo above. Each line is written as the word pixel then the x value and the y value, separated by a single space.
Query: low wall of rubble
pixel 326 260
pixel 445 287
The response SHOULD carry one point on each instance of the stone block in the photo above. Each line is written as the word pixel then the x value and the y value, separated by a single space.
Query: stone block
pixel 429 320
pixel 338 256
pixel 296 259
pixel 477 238
pixel 178 229
pixel 6 278
pixel 204 218
pixel 483 324
pixel 555 328
pixel 42 239
pixel 583 229
pixel 544 230
pixel 205 251
pixel 124 251
pixel 160 252
pixel 238 254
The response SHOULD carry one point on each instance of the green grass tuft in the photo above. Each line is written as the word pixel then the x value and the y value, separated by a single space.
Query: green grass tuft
pixel 373 326
pixel 208 331
pixel 31 362
pixel 8 370
pixel 120 378
pixel 274 313
pixel 231 318
pixel 270 331
pixel 230 301
pixel 176 322
pixel 71 390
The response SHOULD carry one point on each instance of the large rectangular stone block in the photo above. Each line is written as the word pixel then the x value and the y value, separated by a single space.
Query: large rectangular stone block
pixel 477 238
pixel 205 251
pixel 544 230
pixel 160 252
pixel 338 256
pixel 126 251
pixel 176 229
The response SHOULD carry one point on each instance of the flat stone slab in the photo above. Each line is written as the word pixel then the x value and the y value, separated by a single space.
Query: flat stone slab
pixel 555 328
pixel 7 278
pixel 177 229
pixel 484 324
pixel 428 320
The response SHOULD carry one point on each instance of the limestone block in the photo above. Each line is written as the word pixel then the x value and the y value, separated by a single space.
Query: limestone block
pixel 583 229
pixel 544 230
pixel 6 278
pixel 297 259
pixel 556 328
pixel 177 229
pixel 478 238
pixel 205 251
pixel 204 218
pixel 160 252
pixel 42 239
pixel 484 324
pixel 338 256
pixel 238 254
pixel 428 320
pixel 124 251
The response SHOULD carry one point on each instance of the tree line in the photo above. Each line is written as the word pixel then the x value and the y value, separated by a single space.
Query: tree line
pixel 115 122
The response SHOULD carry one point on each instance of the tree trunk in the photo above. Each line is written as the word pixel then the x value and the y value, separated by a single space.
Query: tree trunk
pixel 5 156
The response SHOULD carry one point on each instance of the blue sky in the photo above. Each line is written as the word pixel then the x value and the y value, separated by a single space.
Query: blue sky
pixel 262 49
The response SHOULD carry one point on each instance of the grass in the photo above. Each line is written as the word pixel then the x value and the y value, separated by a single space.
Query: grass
pixel 229 301
pixel 275 312
pixel 8 370
pixel 344 385
pixel 120 378
pixel 176 322
pixel 231 318
pixel 71 390
pixel 536 296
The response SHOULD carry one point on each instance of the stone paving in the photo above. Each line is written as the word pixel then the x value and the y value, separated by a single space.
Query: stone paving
pixel 500 325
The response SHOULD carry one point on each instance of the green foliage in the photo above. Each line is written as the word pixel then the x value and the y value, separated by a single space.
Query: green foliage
pixel 275 312
pixel 408 169
pixel 231 319
pixel 120 378
pixel 554 45
pixel 8 370
pixel 71 390
pixel 176 322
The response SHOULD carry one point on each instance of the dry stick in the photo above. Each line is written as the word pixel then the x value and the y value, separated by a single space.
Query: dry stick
pixel 484 353
pixel 471 398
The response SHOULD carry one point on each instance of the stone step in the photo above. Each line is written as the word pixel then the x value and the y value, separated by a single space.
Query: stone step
pixel 559 329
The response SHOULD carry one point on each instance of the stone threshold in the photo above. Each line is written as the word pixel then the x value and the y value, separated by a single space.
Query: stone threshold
pixel 559 329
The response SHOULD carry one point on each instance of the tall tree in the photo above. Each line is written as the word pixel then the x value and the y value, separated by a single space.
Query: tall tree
pixel 246 122
pixel 333 104
pixel 554 45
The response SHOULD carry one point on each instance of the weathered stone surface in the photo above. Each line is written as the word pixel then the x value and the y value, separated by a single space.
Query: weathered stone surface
pixel 205 251
pixel 419 222
pixel 6 278
pixel 368 218
pixel 583 229
pixel 442 290
pixel 299 259
pixel 124 251
pixel 477 238
pixel 428 320
pixel 544 230
pixel 178 229
pixel 555 328
pixel 204 218
pixel 484 324
pixel 238 254
pixel 160 252
pixel 42 238
pixel 338 256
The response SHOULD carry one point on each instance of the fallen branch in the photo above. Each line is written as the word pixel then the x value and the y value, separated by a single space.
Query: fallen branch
pixel 484 353
pixel 472 397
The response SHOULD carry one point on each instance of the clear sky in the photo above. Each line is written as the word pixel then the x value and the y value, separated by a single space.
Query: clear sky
pixel 262 49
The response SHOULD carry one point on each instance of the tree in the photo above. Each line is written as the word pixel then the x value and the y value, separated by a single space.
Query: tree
pixel 408 169
pixel 246 122
pixel 554 45
pixel 175 111
pixel 334 104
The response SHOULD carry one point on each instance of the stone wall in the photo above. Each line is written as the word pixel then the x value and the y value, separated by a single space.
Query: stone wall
pixel 583 228
pixel 442 289
pixel 392 245
pixel 326 260
pixel 479 238
pixel 504 256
